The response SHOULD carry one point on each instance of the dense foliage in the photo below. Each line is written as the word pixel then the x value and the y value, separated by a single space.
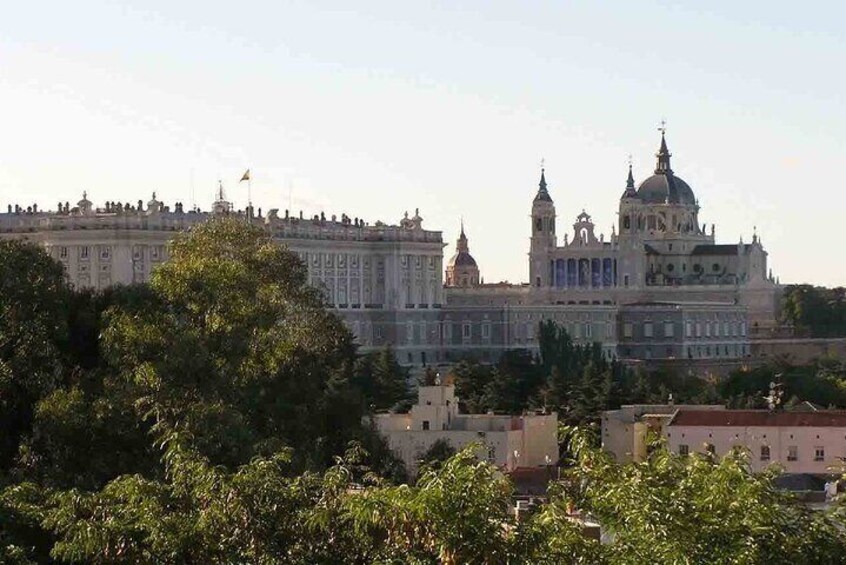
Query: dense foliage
pixel 815 310
pixel 576 380
pixel 215 416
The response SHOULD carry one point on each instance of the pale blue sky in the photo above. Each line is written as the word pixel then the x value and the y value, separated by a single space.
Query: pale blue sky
pixel 373 108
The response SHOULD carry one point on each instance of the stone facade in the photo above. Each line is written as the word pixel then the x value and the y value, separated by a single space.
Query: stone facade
pixel 800 442
pixel 384 280
pixel 625 430
pixel 510 442
pixel 659 272
pixel 389 282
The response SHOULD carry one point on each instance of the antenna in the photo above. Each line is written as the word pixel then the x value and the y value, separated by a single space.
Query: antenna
pixel 191 189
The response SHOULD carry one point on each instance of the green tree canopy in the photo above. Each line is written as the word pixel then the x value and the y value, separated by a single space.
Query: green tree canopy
pixel 238 350
pixel 33 333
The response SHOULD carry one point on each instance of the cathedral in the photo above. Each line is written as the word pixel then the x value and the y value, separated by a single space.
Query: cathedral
pixel 659 287
pixel 660 271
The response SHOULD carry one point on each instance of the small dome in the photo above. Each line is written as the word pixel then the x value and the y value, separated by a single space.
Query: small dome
pixel 462 259
pixel 665 187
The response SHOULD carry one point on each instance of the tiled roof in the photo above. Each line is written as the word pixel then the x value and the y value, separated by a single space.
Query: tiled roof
pixel 744 418
pixel 723 249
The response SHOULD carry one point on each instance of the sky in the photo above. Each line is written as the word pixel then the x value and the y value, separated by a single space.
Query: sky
pixel 377 108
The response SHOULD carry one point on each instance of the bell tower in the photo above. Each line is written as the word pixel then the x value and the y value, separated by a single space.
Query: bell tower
pixel 543 239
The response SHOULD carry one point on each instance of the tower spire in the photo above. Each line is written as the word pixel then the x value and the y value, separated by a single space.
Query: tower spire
pixel 663 155
pixel 542 194
pixel 462 245
pixel 630 191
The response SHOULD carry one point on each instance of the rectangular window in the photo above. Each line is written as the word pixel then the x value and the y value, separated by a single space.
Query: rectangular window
pixel 63 252
pixel 627 329
pixel 647 329
pixel 448 331
pixel 707 329
pixel 819 453
pixel 625 280
pixel 765 453
pixel 716 329
pixel 710 449
pixel 698 329
pixel 688 329
pixel 409 332
pixel 668 329
pixel 684 450
pixel 486 330
pixel 792 453
pixel 588 330
pixel 425 424
pixel 105 252
pixel 743 328
pixel 530 331
pixel 83 252
pixel 726 329
pixel 465 330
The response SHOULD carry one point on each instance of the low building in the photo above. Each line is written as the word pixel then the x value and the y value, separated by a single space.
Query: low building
pixel 625 431
pixel 667 330
pixel 510 442
pixel 801 442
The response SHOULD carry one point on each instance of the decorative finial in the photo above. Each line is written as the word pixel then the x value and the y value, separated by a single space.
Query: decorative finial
pixel 154 195
pixel 543 164
pixel 85 195
pixel 663 128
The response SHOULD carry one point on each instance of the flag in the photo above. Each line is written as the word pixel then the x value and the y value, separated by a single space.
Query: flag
pixel 246 176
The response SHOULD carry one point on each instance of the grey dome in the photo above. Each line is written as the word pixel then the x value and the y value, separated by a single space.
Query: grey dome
pixel 665 187
pixel 462 259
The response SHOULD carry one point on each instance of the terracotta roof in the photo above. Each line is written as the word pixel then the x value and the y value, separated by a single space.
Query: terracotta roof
pixel 744 418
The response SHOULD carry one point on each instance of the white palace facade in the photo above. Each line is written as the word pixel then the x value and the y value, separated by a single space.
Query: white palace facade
pixel 658 287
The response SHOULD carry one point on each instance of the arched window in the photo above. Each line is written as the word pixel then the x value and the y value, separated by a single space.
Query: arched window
pixel 538 224
pixel 627 222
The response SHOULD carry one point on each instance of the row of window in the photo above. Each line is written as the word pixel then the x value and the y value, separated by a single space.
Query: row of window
pixel 729 329
pixel 765 452
pixel 105 252
pixel 712 329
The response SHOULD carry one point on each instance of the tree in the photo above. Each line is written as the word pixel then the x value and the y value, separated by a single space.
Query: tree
pixel 437 454
pixel 696 509
pixel 471 380
pixel 33 331
pixel 818 311
pixel 383 382
pixel 238 350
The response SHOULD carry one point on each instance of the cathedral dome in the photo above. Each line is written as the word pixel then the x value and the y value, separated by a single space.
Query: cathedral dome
pixel 462 259
pixel 462 270
pixel 665 187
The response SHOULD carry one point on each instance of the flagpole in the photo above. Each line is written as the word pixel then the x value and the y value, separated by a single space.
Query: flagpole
pixel 250 193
